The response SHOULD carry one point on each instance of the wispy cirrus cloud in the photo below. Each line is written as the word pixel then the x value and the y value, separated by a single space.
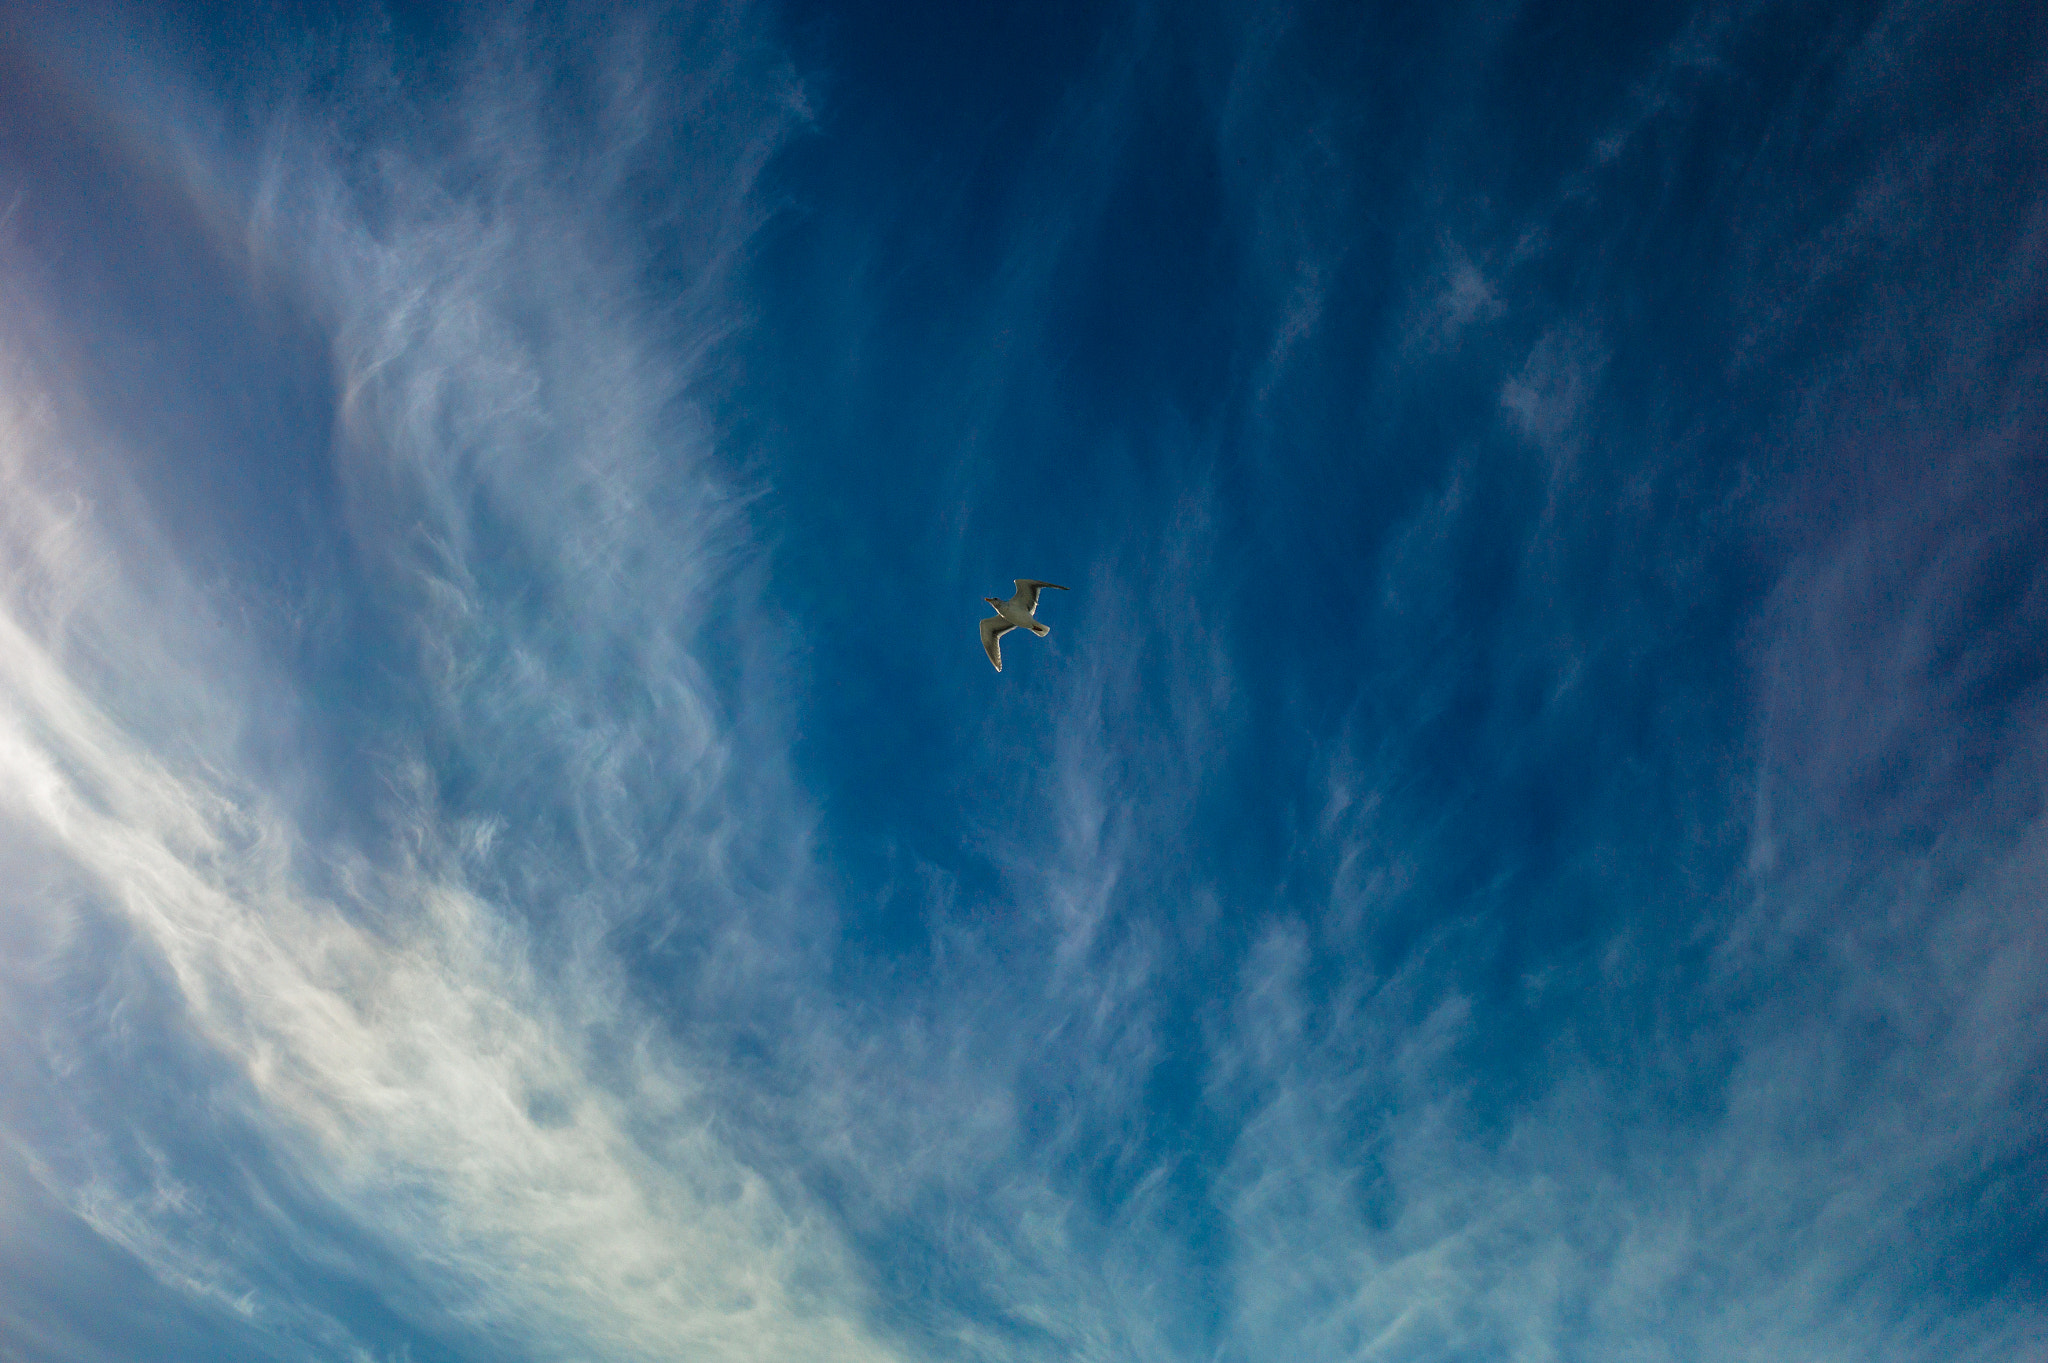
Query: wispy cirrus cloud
pixel 427 1033
pixel 1800 1134
pixel 1639 1077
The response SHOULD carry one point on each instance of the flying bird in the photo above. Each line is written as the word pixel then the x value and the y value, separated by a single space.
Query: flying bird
pixel 1016 613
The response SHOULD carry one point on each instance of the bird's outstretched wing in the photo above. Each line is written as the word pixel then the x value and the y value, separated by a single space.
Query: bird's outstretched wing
pixel 993 629
pixel 1027 592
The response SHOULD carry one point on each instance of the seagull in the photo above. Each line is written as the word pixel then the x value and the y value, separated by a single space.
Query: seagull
pixel 1016 613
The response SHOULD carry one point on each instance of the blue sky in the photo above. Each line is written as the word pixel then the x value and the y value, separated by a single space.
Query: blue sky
pixel 1525 841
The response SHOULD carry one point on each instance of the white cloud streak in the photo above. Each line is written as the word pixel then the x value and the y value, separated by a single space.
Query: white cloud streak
pixel 533 1144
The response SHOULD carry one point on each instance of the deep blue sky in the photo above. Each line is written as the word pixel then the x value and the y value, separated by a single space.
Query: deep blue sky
pixel 1525 841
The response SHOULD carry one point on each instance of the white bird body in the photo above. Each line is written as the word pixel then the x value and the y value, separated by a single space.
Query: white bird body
pixel 1019 612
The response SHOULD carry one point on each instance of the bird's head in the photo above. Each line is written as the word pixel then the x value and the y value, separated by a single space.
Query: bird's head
pixel 992 601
